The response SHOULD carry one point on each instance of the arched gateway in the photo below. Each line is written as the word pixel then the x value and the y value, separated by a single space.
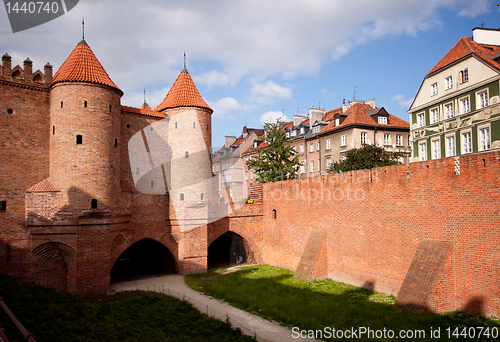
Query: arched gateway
pixel 144 258
pixel 229 249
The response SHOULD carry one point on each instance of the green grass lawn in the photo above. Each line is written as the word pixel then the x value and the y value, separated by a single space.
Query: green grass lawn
pixel 274 294
pixel 127 316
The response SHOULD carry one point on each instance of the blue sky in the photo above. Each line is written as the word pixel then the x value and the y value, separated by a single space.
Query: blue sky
pixel 252 60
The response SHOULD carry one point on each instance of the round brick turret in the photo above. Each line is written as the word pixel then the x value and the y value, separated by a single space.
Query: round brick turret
pixel 85 116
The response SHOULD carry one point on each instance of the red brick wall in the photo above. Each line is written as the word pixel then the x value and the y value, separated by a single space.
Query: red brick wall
pixel 374 223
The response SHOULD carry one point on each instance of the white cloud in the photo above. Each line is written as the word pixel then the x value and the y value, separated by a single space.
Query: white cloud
pixel 269 91
pixel 273 116
pixel 473 8
pixel 226 105
pixel 402 101
pixel 212 78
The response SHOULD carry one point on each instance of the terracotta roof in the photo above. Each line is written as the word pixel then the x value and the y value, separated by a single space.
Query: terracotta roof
pixel 287 125
pixel 83 66
pixel 358 114
pixel 144 110
pixel 260 146
pixel 464 47
pixel 183 93
pixel 44 186
pixel 330 114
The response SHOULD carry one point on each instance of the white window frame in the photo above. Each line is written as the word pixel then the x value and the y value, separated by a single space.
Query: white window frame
pixel 328 162
pixel 343 140
pixel 337 122
pixel 484 144
pixel 312 166
pixel 363 138
pixel 382 120
pixel 451 150
pixel 319 165
pixel 466 143
pixel 328 144
pixel 436 148
pixel 448 82
pixel 448 110
pixel 482 97
pixel 302 167
pixel 344 157
pixel 246 175
pixel 387 139
pixel 434 115
pixel 462 101
pixel 421 119
pixel 317 146
pixel 302 130
pixel 301 148
pixel 311 147
pixel 434 89
pixel 399 140
pixel 422 151
pixel 288 134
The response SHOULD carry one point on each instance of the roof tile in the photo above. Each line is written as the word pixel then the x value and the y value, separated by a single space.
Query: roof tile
pixel 44 186
pixel 83 66
pixel 183 93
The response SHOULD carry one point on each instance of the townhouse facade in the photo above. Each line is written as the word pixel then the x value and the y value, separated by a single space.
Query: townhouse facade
pixel 324 137
pixel 457 108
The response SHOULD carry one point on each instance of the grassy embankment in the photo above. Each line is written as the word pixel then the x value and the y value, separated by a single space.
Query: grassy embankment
pixel 127 316
pixel 274 294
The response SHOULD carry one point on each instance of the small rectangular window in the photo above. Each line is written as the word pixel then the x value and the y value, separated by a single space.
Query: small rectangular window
pixel 182 197
pixel 85 104
pixel 448 83
pixel 116 142
pixel 311 147
pixel 3 205
pixel 382 120
pixel 387 139
pixel 79 140
pixel 176 125
pixel 61 104
pixel 399 140
pixel 434 115
pixel 436 149
pixel 110 108
pixel 93 203
pixel 423 151
pixel 363 138
pixel 466 143
pixel 344 140
pixel 152 184
pixel 328 144
pixel 450 146
pixel 186 154
pixel 434 89
pixel 484 139
pixel 448 108
pixel 194 124
pixel 53 130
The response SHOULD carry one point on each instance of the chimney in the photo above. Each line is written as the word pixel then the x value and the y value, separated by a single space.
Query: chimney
pixel 6 64
pixel 371 103
pixel 47 69
pixel 245 129
pixel 316 114
pixel 486 36
pixel 298 119
pixel 28 68
pixel 229 140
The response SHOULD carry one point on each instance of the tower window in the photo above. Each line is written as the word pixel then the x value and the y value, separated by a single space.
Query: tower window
pixel 110 108
pixel 93 203
pixel 201 197
pixel 3 205
pixel 182 197
pixel 194 124
pixel 186 155
pixel 79 140
pixel 85 104
pixel 53 130
pixel 61 104
pixel 116 142
pixel 274 214
pixel 128 126
pixel 176 125
pixel 137 171
pixel 152 184
pixel 10 111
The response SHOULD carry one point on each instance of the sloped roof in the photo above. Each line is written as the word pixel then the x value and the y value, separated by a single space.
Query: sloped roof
pixel 260 146
pixel 331 113
pixel 464 47
pixel 359 114
pixel 183 93
pixel 44 186
pixel 83 66
pixel 144 110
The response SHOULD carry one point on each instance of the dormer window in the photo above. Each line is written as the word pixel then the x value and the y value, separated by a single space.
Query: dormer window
pixel 301 130
pixel 337 122
pixel 255 144
pixel 382 120
pixel 288 134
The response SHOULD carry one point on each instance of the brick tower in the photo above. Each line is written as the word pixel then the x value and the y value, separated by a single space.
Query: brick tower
pixel 85 133
pixel 189 175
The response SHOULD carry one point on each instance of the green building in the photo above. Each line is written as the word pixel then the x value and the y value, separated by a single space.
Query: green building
pixel 457 108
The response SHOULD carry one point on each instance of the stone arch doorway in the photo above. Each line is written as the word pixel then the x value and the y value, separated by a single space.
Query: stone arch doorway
pixel 145 258
pixel 229 249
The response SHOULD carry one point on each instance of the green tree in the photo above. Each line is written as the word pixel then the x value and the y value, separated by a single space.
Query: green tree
pixel 366 157
pixel 279 160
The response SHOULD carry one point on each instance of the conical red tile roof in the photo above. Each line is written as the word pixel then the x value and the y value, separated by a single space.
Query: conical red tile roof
pixel 83 66
pixel 183 93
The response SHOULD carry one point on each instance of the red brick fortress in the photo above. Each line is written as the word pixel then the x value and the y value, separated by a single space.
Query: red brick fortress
pixel 70 210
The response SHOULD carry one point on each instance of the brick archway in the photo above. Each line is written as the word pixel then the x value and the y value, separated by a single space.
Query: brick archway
pixel 143 256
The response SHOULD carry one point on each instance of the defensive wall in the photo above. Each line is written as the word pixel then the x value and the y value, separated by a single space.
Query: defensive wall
pixel 428 233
